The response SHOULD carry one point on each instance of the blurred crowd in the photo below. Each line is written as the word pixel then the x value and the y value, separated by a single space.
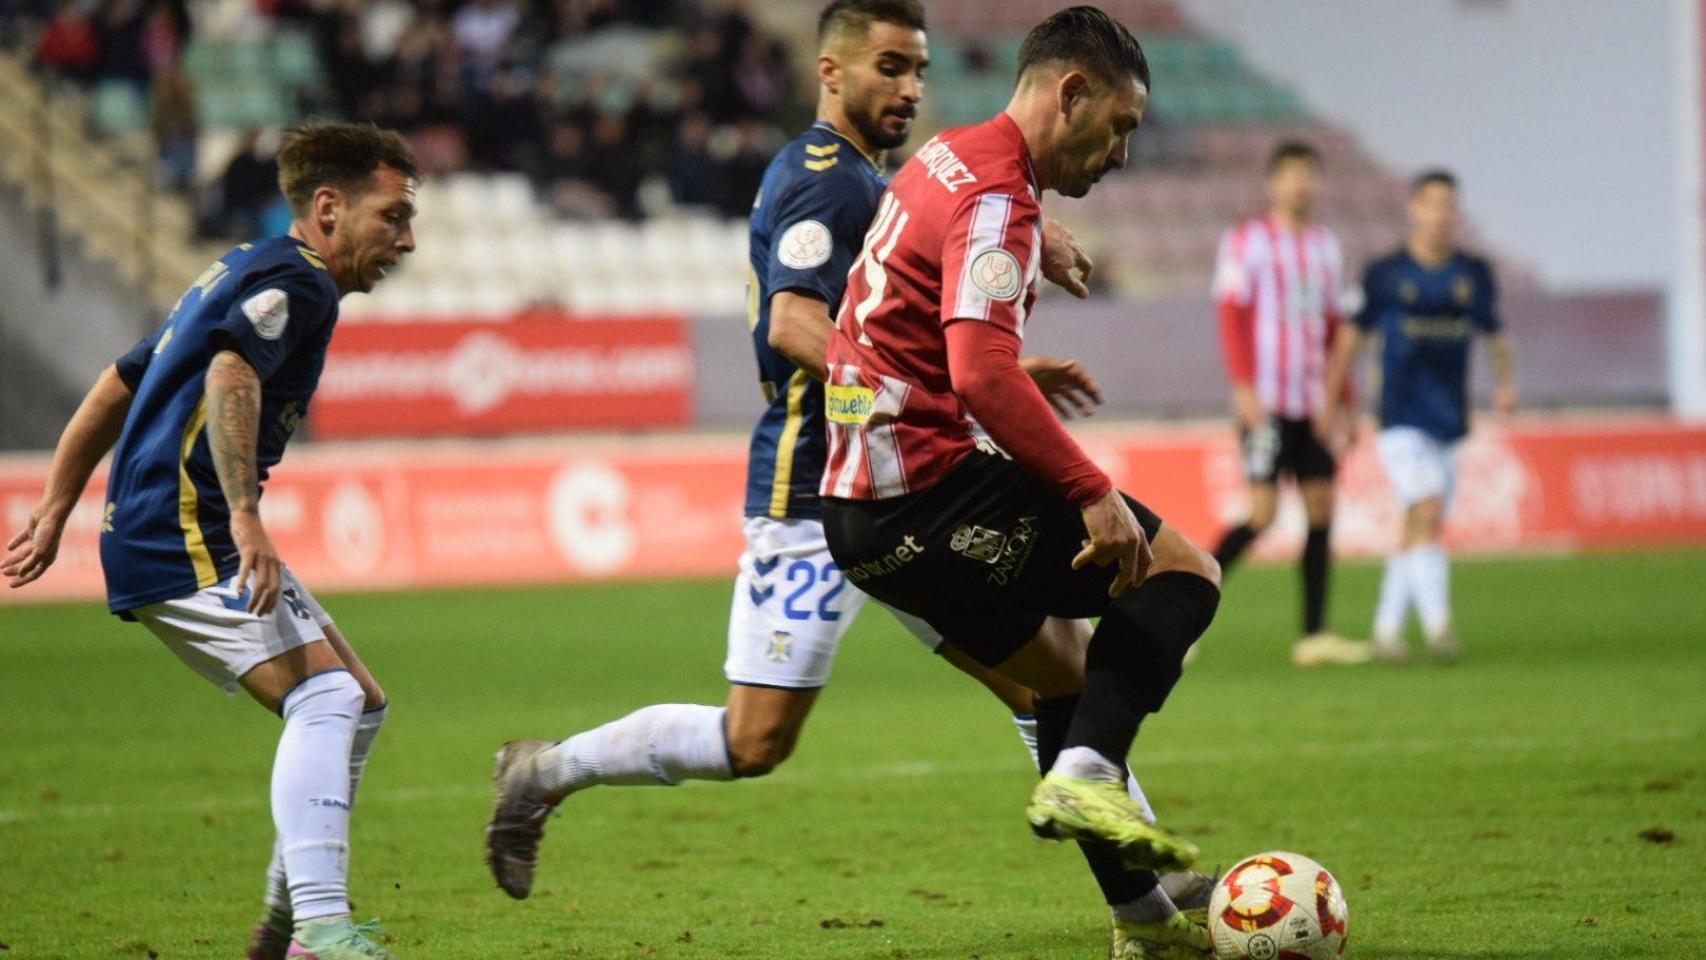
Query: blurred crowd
pixel 613 107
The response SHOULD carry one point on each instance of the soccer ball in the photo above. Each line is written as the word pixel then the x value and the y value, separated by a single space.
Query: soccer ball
pixel 1277 906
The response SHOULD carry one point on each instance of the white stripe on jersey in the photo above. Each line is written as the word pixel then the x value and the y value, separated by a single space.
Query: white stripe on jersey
pixel 1268 325
pixel 871 261
pixel 888 471
pixel 1292 282
pixel 988 231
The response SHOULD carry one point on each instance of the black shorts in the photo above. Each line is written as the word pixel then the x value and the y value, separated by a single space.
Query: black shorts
pixel 984 556
pixel 1285 447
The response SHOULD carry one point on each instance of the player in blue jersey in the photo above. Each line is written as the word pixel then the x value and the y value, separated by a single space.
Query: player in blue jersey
pixel 201 410
pixel 791 605
pixel 1427 301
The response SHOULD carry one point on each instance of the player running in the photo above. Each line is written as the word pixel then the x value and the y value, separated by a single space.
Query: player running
pixel 791 603
pixel 201 410
pixel 1277 286
pixel 982 547
pixel 1426 301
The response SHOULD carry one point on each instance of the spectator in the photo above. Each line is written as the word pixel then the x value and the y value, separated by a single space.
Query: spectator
pixel 482 30
pixel 246 189
pixel 616 175
pixel 69 44
pixel 692 170
pixel 176 129
pixel 120 30
pixel 160 42
pixel 568 175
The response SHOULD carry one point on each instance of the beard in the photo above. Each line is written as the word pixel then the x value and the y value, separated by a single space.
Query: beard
pixel 871 127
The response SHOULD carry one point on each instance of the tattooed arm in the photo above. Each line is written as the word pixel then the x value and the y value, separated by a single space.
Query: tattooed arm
pixel 233 431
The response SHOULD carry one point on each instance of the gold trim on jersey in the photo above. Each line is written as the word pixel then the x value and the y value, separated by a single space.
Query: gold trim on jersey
pixel 312 257
pixel 856 149
pixel 783 476
pixel 822 150
pixel 189 503
pixel 819 166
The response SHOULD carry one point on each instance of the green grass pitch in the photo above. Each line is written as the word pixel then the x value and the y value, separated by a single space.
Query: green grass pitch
pixel 1495 809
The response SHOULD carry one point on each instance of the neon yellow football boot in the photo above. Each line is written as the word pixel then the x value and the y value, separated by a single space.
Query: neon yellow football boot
pixel 1067 808
pixel 1175 938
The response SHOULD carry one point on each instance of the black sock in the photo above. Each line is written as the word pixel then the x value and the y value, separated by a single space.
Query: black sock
pixel 1135 658
pixel 1232 546
pixel 1316 554
pixel 1119 883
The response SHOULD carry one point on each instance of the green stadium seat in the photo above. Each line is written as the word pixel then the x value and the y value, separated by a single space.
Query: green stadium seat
pixel 295 61
pixel 117 108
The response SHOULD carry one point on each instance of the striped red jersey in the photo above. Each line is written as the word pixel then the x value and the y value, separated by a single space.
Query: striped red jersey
pixel 1278 296
pixel 957 238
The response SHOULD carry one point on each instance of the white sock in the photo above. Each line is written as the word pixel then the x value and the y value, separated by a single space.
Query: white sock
pixel 310 792
pixel 1152 907
pixel 1136 790
pixel 277 899
pixel 1430 580
pixel 666 744
pixel 1394 599
pixel 366 731
pixel 1084 763
pixel 1027 725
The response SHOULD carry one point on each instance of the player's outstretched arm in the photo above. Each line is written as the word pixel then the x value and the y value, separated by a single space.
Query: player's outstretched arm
pixel 93 430
pixel 233 431
pixel 799 330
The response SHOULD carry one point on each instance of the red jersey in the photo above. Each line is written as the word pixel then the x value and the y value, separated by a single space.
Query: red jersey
pixel 1278 295
pixel 957 239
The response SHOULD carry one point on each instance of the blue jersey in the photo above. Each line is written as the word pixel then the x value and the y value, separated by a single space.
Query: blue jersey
pixel 1427 317
pixel 818 198
pixel 167 529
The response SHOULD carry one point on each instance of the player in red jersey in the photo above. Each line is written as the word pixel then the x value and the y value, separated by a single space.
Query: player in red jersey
pixel 1277 284
pixel 986 547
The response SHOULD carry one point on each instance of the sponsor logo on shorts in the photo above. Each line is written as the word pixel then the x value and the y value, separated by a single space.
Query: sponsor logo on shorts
pixel 978 543
pixel 844 404
pixel 294 601
pixel 887 563
pixel 1020 543
pixel 780 649
pixel 1006 553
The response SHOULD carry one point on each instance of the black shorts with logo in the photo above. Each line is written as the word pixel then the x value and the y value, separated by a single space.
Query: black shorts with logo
pixel 984 556
pixel 1284 447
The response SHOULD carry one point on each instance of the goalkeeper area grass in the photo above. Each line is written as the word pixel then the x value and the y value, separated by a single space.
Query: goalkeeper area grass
pixel 1544 798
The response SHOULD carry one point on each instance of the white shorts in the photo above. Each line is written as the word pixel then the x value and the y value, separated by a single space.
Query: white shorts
pixel 791 608
pixel 1417 465
pixel 212 632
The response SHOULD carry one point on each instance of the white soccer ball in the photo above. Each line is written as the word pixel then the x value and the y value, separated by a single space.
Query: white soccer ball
pixel 1278 906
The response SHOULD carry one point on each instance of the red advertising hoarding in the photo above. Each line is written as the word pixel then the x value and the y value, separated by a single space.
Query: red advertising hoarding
pixel 535 372
pixel 528 511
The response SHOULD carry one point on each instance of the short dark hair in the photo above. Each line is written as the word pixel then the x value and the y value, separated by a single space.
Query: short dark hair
pixel 342 155
pixel 856 16
pixel 1293 150
pixel 1085 37
pixel 1433 175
